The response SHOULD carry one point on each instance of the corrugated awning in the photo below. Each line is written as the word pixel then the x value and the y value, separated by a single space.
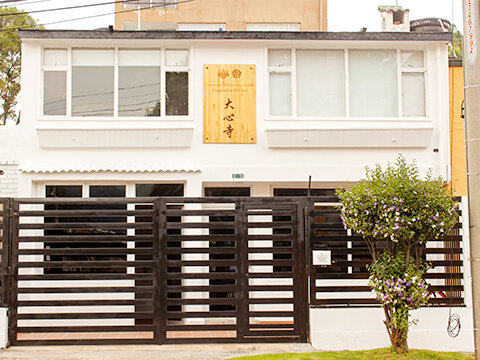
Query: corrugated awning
pixel 103 168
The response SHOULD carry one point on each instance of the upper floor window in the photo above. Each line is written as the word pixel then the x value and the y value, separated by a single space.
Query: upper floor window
pixel 150 3
pixel 346 83
pixel 201 27
pixel 273 27
pixel 55 82
pixel 116 82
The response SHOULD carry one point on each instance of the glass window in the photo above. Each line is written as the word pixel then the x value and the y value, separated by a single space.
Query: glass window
pixel 63 191
pixel 303 192
pixel 145 190
pixel 176 93
pixel 201 27
pixel 320 83
pixel 92 82
pixel 107 191
pixel 139 83
pixel 279 57
pixel 55 57
pixel 413 93
pixel 280 93
pixel 176 57
pixel 273 27
pixel 373 83
pixel 227 191
pixel 412 58
pixel 54 92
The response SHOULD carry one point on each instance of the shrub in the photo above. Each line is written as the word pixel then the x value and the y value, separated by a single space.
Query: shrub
pixel 397 213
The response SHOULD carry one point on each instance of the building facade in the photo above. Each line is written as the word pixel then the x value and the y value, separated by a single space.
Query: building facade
pixel 457 128
pixel 223 15
pixel 248 114
pixel 135 107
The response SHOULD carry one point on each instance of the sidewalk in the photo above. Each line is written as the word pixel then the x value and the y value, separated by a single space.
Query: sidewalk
pixel 147 352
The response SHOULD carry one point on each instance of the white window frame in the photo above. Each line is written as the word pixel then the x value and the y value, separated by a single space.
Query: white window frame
pixel 116 117
pixel 167 4
pixel 418 70
pixel 293 77
pixel 347 117
pixel 45 68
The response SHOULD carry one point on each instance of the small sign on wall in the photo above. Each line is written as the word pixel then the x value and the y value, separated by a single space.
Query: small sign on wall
pixel 322 257
pixel 229 104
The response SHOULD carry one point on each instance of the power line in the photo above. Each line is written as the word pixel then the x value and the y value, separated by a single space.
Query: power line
pixel 23 3
pixel 66 8
pixel 94 16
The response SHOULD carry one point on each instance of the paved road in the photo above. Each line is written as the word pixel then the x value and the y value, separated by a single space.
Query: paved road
pixel 147 352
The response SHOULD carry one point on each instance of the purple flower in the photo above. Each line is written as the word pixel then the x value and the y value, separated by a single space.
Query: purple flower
pixel 400 294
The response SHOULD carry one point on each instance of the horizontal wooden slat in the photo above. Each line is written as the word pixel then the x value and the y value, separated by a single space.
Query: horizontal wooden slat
pixel 175 212
pixel 85 226
pixel 85 238
pixel 201 314
pixel 89 276
pixel 271 313
pixel 114 315
pixel 202 327
pixel 83 213
pixel 68 251
pixel 66 302
pixel 132 341
pixel 87 329
pixel 271 332
pixel 81 290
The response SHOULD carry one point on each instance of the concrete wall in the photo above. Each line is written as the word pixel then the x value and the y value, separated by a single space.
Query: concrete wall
pixel 3 328
pixel 310 14
pixel 363 328
pixel 8 178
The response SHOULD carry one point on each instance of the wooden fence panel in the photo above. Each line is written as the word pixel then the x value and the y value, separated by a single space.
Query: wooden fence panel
pixel 344 283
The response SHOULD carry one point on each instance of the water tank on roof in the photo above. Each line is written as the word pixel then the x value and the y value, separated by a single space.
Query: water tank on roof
pixel 430 25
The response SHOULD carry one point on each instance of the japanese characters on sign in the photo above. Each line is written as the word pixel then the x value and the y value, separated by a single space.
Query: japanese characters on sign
pixel 229 104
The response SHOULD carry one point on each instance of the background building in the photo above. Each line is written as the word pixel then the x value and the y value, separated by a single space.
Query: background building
pixel 457 128
pixel 226 15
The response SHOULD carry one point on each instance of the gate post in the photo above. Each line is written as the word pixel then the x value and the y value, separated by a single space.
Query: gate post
pixel 5 272
pixel 242 277
pixel 302 270
pixel 159 270
pixel 13 220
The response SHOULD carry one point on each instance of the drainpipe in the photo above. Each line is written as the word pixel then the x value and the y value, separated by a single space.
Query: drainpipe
pixel 471 67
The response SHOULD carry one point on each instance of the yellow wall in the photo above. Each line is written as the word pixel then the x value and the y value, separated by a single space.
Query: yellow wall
pixel 457 132
pixel 311 14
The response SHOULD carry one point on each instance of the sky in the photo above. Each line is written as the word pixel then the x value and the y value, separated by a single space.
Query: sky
pixel 343 15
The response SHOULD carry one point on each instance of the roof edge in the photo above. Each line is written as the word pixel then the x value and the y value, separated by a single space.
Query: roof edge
pixel 232 35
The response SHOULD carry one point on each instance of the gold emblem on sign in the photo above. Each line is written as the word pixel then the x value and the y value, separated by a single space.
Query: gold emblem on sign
pixel 223 74
pixel 237 74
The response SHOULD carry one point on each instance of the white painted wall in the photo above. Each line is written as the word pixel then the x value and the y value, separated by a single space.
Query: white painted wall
pixel 258 162
pixel 3 328
pixel 363 328
pixel 9 178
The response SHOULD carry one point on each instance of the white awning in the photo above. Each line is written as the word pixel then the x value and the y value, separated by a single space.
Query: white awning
pixel 104 168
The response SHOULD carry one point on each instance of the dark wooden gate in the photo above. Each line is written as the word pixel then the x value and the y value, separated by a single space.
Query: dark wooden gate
pixel 157 270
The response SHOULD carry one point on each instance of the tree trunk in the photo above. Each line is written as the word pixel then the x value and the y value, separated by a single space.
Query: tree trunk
pixel 398 338
pixel 399 341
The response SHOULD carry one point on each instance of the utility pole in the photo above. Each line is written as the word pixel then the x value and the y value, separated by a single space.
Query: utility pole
pixel 471 71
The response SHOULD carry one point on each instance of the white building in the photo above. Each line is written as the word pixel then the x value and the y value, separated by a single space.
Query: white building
pixel 323 104
pixel 112 113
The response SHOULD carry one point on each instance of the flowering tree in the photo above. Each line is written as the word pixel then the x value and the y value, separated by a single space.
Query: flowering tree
pixel 398 213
